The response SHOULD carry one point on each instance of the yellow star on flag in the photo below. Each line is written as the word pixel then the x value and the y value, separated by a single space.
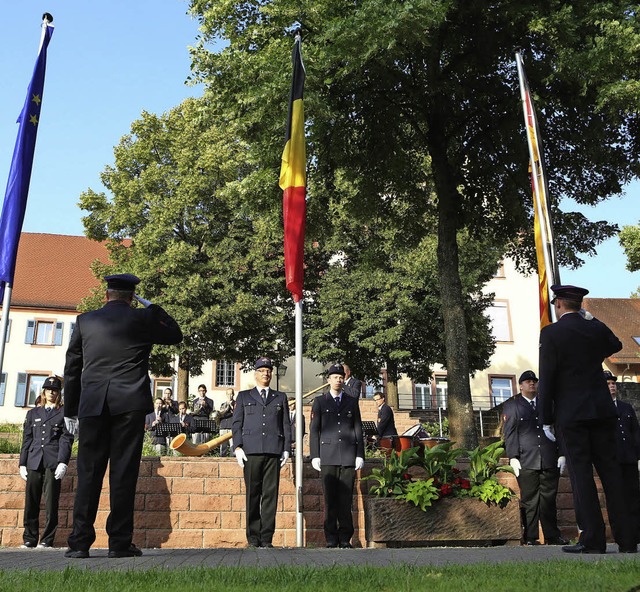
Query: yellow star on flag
pixel 34 119
pixel 36 99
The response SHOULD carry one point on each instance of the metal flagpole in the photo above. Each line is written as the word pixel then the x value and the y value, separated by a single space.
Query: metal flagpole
pixel 299 426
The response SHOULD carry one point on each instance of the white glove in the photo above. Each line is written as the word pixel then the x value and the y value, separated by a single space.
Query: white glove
pixel 548 432
pixel 23 471
pixel 142 301
pixel 639 465
pixel 61 471
pixel 241 457
pixel 71 423
pixel 586 315
pixel 516 466
pixel 562 464
pixel 284 458
pixel 315 463
pixel 359 463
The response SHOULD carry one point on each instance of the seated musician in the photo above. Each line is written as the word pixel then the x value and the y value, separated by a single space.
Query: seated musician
pixel 386 423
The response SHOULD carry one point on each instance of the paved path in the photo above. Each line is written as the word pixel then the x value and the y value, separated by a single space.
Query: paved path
pixel 53 559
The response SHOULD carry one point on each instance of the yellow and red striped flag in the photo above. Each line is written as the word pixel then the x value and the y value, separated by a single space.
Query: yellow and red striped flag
pixel 548 273
pixel 293 181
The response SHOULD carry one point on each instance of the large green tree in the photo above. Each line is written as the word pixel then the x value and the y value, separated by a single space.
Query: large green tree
pixel 419 101
pixel 174 216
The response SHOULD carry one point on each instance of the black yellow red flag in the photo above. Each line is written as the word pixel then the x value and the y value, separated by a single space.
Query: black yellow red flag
pixel 293 181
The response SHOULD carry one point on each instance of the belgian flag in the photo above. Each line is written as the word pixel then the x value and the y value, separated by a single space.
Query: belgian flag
pixel 293 181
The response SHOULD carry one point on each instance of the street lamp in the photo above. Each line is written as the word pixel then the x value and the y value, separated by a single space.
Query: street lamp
pixel 281 370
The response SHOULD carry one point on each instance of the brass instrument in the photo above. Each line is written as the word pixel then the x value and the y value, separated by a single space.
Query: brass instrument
pixel 182 445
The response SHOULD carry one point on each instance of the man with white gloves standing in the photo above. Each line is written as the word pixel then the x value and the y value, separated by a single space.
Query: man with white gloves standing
pixel 262 441
pixel 535 462
pixel 44 456
pixel 337 451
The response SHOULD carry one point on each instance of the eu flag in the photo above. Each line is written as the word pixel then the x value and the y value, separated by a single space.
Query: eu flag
pixel 15 198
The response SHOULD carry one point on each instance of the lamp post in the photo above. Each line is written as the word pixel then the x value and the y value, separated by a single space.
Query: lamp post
pixel 281 370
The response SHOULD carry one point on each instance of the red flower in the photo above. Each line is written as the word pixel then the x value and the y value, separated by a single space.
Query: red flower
pixel 457 481
pixel 406 476
pixel 446 489
pixel 436 481
pixel 455 470
pixel 465 484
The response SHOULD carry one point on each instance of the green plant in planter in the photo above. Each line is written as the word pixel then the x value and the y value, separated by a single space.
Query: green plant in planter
pixel 392 479
pixel 440 461
pixel 420 493
pixel 442 477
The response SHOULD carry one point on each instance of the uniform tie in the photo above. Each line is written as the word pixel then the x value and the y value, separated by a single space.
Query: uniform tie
pixel 337 400
pixel 533 404
pixel 263 393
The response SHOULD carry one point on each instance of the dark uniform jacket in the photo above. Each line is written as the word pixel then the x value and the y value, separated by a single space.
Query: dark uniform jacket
pixel 524 438
pixel 148 425
pixel 226 415
pixel 175 418
pixel 353 387
pixel 45 439
pixel 572 386
pixel 627 434
pixel 202 409
pixel 335 432
pixel 259 427
pixel 108 358
pixel 386 423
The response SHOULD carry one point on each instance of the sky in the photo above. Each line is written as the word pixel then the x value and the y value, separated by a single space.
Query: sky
pixel 109 61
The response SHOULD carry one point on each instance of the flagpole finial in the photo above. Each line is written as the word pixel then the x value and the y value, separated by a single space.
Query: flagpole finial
pixel 46 17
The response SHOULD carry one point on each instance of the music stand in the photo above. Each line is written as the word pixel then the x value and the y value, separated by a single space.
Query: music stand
pixel 168 430
pixel 203 425
pixel 369 428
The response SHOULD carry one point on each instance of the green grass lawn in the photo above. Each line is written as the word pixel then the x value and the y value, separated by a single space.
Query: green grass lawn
pixel 556 576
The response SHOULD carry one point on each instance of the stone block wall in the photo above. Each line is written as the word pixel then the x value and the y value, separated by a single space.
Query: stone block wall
pixel 194 502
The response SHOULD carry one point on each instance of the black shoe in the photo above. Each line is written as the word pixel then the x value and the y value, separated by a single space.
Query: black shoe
pixel 132 551
pixel 266 546
pixel 556 541
pixel 580 548
pixel 532 543
pixel 346 546
pixel 628 550
pixel 43 545
pixel 76 554
pixel 332 545
pixel 28 545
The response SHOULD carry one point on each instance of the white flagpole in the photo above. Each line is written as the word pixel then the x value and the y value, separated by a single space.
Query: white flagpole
pixel 539 184
pixel 299 426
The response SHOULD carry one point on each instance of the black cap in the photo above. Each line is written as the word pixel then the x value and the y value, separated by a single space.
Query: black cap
pixel 263 363
pixel 569 292
pixel 609 376
pixel 527 375
pixel 53 383
pixel 122 281
pixel 336 369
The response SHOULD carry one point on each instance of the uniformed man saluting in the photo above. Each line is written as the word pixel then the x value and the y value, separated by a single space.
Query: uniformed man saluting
pixel 262 440
pixel 337 450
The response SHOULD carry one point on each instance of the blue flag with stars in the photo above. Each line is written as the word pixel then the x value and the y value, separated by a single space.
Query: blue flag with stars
pixel 15 197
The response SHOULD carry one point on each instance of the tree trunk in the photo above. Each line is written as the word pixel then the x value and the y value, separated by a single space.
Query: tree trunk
pixel 392 385
pixel 183 379
pixel 462 428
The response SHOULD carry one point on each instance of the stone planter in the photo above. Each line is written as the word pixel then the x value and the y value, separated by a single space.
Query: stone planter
pixel 449 522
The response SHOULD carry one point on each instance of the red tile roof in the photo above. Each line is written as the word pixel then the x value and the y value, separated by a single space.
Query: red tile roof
pixel 53 270
pixel 622 316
